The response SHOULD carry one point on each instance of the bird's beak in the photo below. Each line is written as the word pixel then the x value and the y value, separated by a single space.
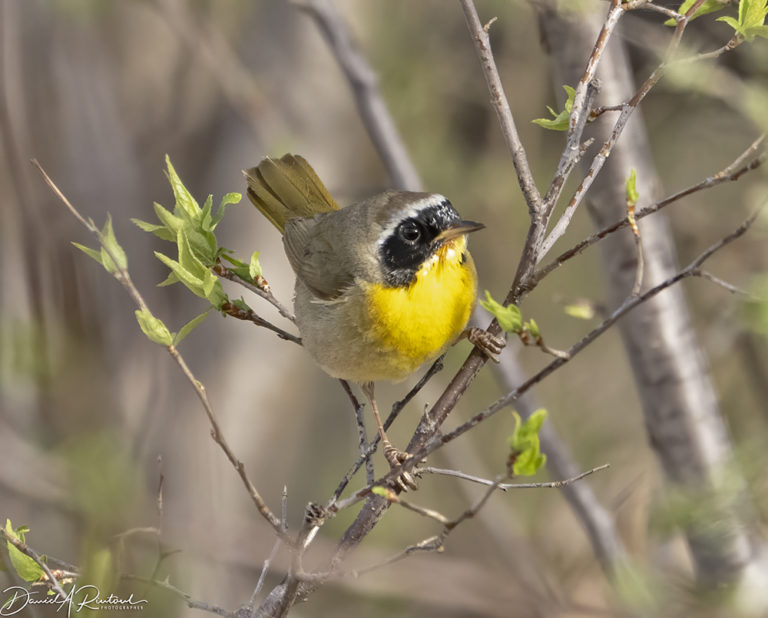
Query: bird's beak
pixel 459 229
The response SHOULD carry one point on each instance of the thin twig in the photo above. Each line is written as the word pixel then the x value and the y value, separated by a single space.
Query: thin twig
pixel 398 406
pixel 582 99
pixel 365 447
pixel 249 315
pixel 275 548
pixel 645 4
pixel 712 55
pixel 507 486
pixel 263 291
pixel 602 156
pixel 393 498
pixel 430 544
pixel 28 551
pixel 191 603
pixel 704 274
pixel 122 275
pixel 395 411
pixel 732 172
pixel 500 104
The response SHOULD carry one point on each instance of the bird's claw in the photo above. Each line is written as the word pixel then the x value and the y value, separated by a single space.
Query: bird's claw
pixel 488 344
pixel 407 479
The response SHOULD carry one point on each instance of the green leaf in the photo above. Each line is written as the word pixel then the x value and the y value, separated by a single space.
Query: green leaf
pixel 525 446
pixel 206 221
pixel 169 280
pixel 160 231
pixel 96 255
pixel 189 279
pixel 195 275
pixel 26 568
pixel 187 257
pixel 561 121
pixel 188 328
pixel 254 267
pixel 240 268
pixel 146 225
pixel 185 203
pixel 111 248
pixel 203 244
pixel 730 21
pixel 710 6
pixel 169 220
pixel 751 20
pixel 632 194
pixel 509 317
pixel 227 200
pixel 153 327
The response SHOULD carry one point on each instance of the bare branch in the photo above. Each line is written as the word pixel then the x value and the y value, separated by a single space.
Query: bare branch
pixel 732 172
pixel 505 486
pixel 626 112
pixel 580 110
pixel 191 603
pixel 275 548
pixel 264 290
pixel 365 448
pixel 396 409
pixel 500 104
pixel 250 316
pixel 393 498
pixel 723 284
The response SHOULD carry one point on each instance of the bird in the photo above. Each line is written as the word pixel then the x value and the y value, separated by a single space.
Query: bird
pixel 382 285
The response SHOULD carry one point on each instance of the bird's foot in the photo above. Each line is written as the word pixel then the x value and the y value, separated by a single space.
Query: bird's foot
pixel 396 458
pixel 488 344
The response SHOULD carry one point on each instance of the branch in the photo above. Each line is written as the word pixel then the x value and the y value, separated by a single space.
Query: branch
pixel 506 486
pixel 396 409
pixel 124 278
pixel 501 105
pixel 732 172
pixel 264 290
pixel 250 316
pixel 363 81
pixel 626 112
pixel 580 110
pixel 191 603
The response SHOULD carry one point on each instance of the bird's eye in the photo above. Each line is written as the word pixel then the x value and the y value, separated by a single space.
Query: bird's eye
pixel 409 231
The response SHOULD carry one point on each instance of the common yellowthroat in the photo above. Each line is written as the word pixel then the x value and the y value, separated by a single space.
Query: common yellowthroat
pixel 382 286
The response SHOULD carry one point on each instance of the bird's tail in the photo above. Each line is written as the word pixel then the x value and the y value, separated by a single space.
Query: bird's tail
pixel 286 188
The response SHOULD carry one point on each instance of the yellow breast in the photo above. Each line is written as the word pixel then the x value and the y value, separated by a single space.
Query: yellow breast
pixel 416 323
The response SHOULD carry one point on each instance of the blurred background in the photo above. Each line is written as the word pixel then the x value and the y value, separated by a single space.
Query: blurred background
pixel 92 415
